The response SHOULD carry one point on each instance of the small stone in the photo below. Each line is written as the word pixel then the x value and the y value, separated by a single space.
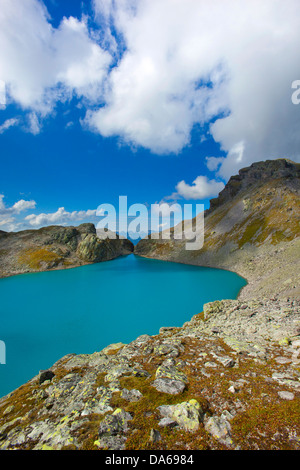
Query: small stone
pixel 187 415
pixel 284 342
pixel 166 329
pixel 210 364
pixel 282 360
pixel 215 330
pixel 165 385
pixel 141 373
pixel 115 423
pixel 112 348
pixel 45 375
pixel 220 429
pixel 8 410
pixel 227 361
pixel 155 436
pixel 111 442
pixel 167 422
pixel 131 395
pixel 286 395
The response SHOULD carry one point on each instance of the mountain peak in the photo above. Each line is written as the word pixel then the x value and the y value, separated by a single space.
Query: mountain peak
pixel 255 175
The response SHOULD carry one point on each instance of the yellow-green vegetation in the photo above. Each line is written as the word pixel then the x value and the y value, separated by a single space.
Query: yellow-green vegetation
pixel 268 216
pixel 277 423
pixel 36 258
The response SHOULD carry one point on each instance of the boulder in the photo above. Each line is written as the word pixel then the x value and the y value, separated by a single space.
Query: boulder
pixel 188 415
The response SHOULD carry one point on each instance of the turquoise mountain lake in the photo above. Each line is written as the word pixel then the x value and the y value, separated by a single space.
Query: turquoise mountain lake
pixel 45 316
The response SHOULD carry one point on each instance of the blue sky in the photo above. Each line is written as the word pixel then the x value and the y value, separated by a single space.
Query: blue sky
pixel 157 101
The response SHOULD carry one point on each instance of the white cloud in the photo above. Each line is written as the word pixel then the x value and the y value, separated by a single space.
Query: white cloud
pixel 34 124
pixel 7 221
pixel 8 215
pixel 213 163
pixel 12 219
pixel 247 51
pixel 16 208
pixel 8 124
pixel 202 188
pixel 156 68
pixel 22 205
pixel 60 217
pixel 41 64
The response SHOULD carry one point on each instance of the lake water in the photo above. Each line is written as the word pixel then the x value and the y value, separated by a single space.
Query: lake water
pixel 45 316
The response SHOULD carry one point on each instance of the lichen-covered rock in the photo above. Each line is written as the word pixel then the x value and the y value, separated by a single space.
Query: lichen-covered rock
pixel 115 423
pixel 188 415
pixel 165 385
pixel 220 429
pixel 131 395
pixel 170 371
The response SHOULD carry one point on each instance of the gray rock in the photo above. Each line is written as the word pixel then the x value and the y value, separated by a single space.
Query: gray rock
pixel 131 395
pixel 115 423
pixel 111 443
pixel 45 375
pixel 188 415
pixel 165 385
pixel 155 436
pixel 167 422
pixel 286 395
pixel 220 429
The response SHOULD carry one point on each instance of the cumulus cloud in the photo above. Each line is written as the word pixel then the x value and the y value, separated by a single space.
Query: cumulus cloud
pixel 41 64
pixel 213 163
pixel 12 217
pixel 153 69
pixel 60 217
pixel 188 62
pixel 8 214
pixel 202 188
pixel 16 208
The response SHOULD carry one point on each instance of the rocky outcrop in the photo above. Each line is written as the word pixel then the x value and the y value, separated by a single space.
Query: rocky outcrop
pixel 57 247
pixel 252 228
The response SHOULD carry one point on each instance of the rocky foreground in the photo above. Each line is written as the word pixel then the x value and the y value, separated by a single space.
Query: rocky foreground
pixel 228 379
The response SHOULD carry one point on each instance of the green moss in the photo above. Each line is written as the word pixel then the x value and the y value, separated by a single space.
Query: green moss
pixel 34 259
pixel 256 225
pixel 279 419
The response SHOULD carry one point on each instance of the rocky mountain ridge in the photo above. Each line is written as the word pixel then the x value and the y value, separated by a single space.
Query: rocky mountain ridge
pixel 57 247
